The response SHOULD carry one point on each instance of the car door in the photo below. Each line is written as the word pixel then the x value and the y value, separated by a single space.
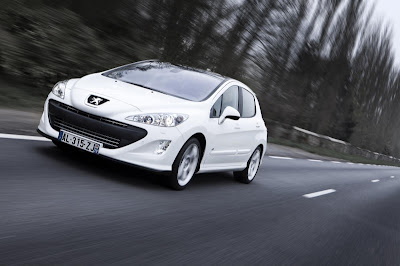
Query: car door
pixel 249 125
pixel 225 138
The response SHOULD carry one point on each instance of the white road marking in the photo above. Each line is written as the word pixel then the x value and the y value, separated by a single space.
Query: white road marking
pixel 350 163
pixel 312 160
pixel 375 180
pixel 12 136
pixel 392 176
pixel 319 193
pixel 279 157
pixel 335 162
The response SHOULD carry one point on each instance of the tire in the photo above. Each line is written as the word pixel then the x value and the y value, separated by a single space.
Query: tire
pixel 185 164
pixel 248 174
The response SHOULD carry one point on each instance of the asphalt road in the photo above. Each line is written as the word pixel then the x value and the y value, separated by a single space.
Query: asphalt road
pixel 79 209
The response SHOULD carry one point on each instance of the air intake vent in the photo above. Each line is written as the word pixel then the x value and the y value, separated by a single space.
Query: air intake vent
pixel 112 134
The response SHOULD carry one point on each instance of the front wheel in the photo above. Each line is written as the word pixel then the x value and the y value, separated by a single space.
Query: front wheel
pixel 185 164
pixel 248 174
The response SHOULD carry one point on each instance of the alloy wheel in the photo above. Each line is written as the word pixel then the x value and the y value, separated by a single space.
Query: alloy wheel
pixel 188 164
pixel 254 164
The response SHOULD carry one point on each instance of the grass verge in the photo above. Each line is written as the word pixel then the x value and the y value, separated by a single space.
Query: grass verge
pixel 328 153
pixel 20 97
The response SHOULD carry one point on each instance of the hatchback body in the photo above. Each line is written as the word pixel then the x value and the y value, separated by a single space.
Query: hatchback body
pixel 160 116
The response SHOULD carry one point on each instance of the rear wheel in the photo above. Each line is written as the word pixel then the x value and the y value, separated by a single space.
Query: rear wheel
pixel 185 164
pixel 248 174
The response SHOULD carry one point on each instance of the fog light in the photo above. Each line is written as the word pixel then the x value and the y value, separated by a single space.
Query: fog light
pixel 162 146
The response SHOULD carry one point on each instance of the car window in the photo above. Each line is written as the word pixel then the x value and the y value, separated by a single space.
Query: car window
pixel 216 109
pixel 248 104
pixel 230 98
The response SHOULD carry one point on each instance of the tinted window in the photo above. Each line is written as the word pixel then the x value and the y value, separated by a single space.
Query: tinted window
pixel 216 109
pixel 179 81
pixel 248 106
pixel 230 98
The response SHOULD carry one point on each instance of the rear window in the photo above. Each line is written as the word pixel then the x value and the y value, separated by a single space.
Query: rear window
pixel 248 106
pixel 179 81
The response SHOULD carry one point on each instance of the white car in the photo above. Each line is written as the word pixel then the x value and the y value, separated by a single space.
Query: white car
pixel 160 116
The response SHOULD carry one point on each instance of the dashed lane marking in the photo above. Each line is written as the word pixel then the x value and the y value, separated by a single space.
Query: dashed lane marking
pixel 375 180
pixel 281 158
pixel 319 193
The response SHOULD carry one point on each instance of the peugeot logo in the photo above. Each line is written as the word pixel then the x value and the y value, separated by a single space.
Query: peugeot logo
pixel 96 100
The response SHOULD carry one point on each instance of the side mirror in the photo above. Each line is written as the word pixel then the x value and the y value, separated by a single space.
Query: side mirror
pixel 229 113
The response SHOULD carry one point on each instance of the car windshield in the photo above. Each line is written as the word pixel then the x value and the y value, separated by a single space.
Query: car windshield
pixel 179 81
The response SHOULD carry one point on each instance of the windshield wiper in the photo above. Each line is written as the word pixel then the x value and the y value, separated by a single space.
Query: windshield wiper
pixel 169 94
pixel 139 85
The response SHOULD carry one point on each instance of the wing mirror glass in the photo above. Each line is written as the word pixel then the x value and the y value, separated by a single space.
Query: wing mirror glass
pixel 229 113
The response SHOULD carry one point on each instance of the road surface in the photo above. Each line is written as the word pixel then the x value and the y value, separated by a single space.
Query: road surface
pixel 79 209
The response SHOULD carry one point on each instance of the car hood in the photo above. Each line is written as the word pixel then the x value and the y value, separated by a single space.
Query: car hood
pixel 122 96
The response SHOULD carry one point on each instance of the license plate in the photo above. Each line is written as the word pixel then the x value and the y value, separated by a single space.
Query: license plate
pixel 79 142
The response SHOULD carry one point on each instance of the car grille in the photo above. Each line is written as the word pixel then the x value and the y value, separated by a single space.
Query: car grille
pixel 112 134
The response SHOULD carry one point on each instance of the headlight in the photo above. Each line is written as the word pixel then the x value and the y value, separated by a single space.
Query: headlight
pixel 161 120
pixel 59 89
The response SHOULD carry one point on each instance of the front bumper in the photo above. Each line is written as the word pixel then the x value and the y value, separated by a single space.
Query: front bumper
pixel 141 152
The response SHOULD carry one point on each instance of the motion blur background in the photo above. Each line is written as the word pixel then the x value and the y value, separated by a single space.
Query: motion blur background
pixel 322 65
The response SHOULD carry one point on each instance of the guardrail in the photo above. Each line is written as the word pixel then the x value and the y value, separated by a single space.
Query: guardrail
pixel 302 136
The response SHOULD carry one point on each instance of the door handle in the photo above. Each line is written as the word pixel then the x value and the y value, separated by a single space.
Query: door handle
pixel 236 127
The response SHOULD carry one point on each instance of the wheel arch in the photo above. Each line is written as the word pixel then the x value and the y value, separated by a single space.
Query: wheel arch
pixel 262 149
